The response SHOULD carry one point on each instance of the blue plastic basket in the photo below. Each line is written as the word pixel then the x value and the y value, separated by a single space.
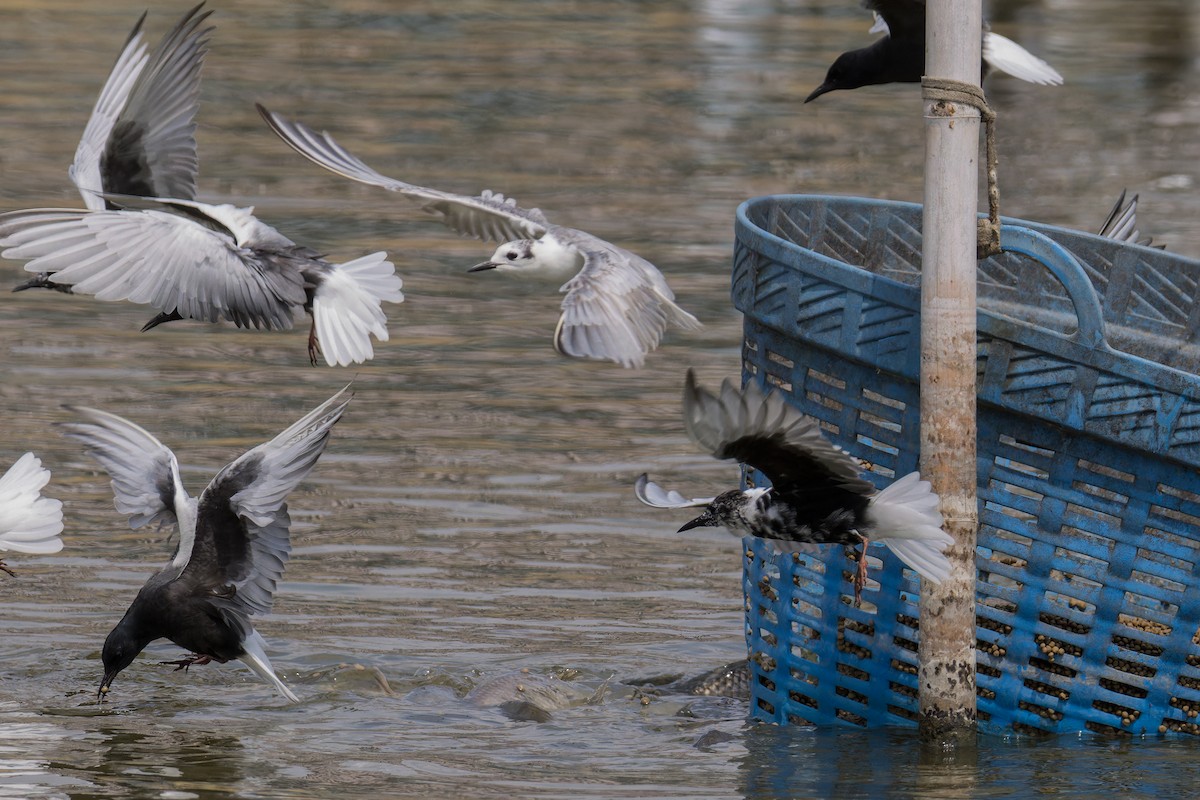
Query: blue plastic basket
pixel 1089 492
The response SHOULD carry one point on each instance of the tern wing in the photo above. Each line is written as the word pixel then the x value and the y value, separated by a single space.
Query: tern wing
pixel 618 306
pixel 144 471
pixel 242 539
pixel 769 435
pixel 29 523
pixel 655 496
pixel 140 138
pixel 902 19
pixel 158 258
pixel 490 216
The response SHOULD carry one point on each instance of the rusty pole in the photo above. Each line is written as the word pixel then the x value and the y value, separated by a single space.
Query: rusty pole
pixel 947 640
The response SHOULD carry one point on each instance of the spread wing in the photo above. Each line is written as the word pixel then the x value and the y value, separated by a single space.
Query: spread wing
pixel 145 474
pixel 618 306
pixel 29 523
pixel 490 216
pixel 769 435
pixel 158 258
pixel 655 496
pixel 242 522
pixel 140 139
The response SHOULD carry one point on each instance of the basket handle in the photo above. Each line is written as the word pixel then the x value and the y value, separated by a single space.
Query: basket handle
pixel 1064 266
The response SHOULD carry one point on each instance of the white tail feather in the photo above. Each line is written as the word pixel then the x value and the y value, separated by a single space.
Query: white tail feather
pixel 256 659
pixel 29 523
pixel 346 308
pixel 1007 56
pixel 905 517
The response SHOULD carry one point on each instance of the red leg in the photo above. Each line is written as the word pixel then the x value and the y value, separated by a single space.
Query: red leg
pixel 183 663
pixel 314 346
pixel 860 577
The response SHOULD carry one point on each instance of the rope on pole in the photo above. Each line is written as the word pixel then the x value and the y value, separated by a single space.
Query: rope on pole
pixel 945 90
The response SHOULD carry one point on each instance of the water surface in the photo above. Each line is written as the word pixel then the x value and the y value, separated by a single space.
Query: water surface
pixel 473 513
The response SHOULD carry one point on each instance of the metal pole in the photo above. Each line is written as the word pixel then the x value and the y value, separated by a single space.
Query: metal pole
pixel 947 641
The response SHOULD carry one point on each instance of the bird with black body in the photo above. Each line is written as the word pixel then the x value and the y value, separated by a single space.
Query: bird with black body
pixel 817 493
pixel 899 55
pixel 144 238
pixel 233 539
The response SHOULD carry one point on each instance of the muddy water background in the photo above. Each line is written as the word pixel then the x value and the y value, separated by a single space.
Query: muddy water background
pixel 472 514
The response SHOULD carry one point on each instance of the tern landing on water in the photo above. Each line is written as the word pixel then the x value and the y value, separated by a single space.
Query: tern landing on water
pixel 29 523
pixel 145 239
pixel 233 539
pixel 816 496
pixel 899 55
pixel 617 305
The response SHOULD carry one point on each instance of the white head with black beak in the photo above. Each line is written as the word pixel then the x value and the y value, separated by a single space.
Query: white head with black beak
pixel 545 256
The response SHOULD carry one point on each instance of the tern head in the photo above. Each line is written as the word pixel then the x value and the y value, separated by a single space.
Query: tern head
pixel 544 256
pixel 120 649
pixel 510 257
pixel 724 511
pixel 848 71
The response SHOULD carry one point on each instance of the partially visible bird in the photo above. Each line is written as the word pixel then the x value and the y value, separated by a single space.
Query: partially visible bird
pixel 233 538
pixel 145 239
pixel 617 305
pixel 1121 224
pixel 899 55
pixel 29 523
pixel 817 495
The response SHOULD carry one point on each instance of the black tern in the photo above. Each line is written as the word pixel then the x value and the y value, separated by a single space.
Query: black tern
pixel 145 239
pixel 29 523
pixel 233 538
pixel 617 305
pixel 899 55
pixel 817 495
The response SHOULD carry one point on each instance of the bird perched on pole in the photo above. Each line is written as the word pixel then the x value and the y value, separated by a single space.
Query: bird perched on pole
pixel 816 496
pixel 233 538
pixel 617 305
pixel 144 237
pixel 29 523
pixel 899 55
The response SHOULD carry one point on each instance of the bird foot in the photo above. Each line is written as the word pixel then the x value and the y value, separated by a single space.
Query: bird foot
pixel 860 575
pixel 183 663
pixel 314 346
pixel 5 568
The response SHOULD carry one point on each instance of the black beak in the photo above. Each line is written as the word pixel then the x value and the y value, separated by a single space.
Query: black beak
pixel 483 266
pixel 104 686
pixel 698 522
pixel 817 92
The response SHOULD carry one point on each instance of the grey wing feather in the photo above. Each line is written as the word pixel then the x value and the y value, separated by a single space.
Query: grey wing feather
pixel 160 259
pixel 655 496
pixel 140 138
pixel 782 441
pixel 618 306
pixel 255 565
pixel 144 471
pixel 490 216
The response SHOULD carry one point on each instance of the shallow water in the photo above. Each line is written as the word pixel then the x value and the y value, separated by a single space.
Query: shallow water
pixel 473 514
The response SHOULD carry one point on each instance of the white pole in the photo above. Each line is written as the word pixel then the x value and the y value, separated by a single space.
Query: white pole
pixel 947 641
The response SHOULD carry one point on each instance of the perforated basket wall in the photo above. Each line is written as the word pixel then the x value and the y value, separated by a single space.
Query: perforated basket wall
pixel 1089 491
